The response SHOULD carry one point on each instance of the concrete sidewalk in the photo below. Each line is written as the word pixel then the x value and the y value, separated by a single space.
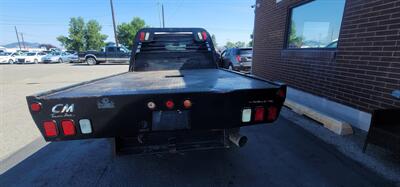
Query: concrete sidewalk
pixel 381 161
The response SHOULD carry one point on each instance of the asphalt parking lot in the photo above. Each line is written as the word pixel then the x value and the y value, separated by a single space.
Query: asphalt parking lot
pixel 17 81
pixel 279 154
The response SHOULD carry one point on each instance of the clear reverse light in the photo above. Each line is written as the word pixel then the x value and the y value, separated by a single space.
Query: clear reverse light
pixel 86 126
pixel 246 115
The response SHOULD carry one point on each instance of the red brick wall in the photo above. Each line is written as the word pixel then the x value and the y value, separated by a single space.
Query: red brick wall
pixel 361 73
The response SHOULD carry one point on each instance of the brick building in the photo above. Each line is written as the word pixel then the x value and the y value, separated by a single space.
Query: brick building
pixel 341 57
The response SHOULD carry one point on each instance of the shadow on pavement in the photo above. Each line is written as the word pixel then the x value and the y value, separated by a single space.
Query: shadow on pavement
pixel 102 64
pixel 281 154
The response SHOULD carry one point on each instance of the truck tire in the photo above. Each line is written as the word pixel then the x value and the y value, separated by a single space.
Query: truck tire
pixel 91 61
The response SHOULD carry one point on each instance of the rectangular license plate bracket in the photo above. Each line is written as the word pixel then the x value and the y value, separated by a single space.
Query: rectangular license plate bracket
pixel 170 120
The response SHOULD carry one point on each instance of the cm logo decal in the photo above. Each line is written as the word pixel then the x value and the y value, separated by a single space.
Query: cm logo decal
pixel 62 108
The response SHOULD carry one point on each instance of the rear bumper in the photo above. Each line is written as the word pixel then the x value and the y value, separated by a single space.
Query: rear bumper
pixel 244 68
pixel 128 115
pixel 49 61
pixel 20 61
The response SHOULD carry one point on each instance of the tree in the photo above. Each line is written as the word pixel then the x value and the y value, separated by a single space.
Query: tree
pixel 126 32
pixel 294 40
pixel 240 44
pixel 94 40
pixel 83 36
pixel 75 39
pixel 47 46
pixel 214 40
pixel 229 45
pixel 250 44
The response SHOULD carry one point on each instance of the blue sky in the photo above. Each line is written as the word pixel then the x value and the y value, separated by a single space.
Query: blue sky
pixel 43 20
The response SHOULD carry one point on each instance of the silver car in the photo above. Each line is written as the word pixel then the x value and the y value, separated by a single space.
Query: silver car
pixel 71 57
pixel 56 57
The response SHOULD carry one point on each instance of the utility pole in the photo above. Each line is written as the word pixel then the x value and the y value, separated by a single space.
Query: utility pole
pixel 23 42
pixel 113 18
pixel 162 12
pixel 16 32
pixel 159 13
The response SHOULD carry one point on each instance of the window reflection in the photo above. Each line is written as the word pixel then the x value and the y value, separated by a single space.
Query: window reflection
pixel 316 24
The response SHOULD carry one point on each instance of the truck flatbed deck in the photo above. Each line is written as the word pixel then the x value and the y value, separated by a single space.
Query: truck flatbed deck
pixel 173 98
pixel 159 82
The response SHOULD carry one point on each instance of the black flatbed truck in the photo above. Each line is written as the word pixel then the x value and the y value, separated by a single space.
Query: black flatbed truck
pixel 173 98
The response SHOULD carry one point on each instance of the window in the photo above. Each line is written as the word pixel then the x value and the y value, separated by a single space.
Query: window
pixel 315 24
pixel 111 49
pixel 246 51
pixel 173 51
pixel 122 49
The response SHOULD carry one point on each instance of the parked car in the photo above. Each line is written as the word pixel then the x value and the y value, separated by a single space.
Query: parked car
pixel 31 57
pixel 239 59
pixel 71 57
pixel 7 57
pixel 56 57
pixel 108 54
pixel 333 44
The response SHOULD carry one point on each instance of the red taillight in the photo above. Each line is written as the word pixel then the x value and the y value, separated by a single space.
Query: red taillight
pixel 238 58
pixel 187 103
pixel 272 113
pixel 204 34
pixel 281 93
pixel 142 36
pixel 259 114
pixel 68 127
pixel 36 107
pixel 50 128
pixel 169 104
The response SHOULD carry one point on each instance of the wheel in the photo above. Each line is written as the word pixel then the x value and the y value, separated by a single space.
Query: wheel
pixel 36 61
pixel 91 61
pixel 230 67
pixel 60 60
pixel 11 61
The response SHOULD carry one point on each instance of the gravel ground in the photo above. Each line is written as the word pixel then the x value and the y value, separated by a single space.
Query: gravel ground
pixel 17 128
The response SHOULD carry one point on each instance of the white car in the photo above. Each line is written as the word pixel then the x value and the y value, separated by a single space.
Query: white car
pixel 7 57
pixel 31 57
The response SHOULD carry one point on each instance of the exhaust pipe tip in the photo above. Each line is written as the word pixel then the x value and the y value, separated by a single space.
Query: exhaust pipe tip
pixel 238 139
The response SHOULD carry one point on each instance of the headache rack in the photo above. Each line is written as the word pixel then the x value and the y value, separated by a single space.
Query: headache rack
pixel 174 43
